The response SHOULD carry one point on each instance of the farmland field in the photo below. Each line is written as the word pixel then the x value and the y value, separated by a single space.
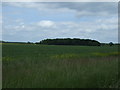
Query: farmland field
pixel 50 66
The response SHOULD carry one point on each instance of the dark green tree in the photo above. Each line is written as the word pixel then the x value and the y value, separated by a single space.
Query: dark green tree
pixel 111 44
pixel 68 41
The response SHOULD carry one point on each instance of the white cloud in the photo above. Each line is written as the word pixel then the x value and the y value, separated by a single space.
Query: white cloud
pixel 80 9
pixel 46 24
pixel 61 1
pixel 45 29
pixel 104 22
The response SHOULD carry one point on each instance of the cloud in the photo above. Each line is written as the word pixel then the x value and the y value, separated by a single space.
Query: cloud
pixel 81 8
pixel 50 29
pixel 46 24
pixel 61 1
pixel 92 8
pixel 1 21
pixel 91 20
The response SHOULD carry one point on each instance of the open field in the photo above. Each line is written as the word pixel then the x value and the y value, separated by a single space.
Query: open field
pixel 50 66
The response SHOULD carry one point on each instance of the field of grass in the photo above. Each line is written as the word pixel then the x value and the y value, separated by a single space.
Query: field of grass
pixel 50 66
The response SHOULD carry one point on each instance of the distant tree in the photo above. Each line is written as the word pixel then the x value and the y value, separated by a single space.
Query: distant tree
pixel 2 41
pixel 68 41
pixel 37 43
pixel 111 44
pixel 28 42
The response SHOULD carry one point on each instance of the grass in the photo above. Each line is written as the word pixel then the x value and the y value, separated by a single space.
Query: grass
pixel 50 66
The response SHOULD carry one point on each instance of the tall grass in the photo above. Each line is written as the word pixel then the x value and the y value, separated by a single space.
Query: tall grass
pixel 42 66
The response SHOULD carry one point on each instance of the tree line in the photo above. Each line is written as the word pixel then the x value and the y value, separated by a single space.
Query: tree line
pixel 69 41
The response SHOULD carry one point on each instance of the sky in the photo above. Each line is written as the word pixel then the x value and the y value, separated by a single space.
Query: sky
pixel 35 21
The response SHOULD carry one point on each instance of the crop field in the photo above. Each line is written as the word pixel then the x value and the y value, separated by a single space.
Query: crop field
pixel 55 66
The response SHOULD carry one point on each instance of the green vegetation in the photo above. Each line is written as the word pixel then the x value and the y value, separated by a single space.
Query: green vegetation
pixel 69 41
pixel 50 66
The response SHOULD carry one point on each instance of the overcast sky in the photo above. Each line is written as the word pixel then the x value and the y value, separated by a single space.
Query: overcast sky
pixel 37 21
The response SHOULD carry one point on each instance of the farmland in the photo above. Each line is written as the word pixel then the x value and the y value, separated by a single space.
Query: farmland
pixel 59 66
